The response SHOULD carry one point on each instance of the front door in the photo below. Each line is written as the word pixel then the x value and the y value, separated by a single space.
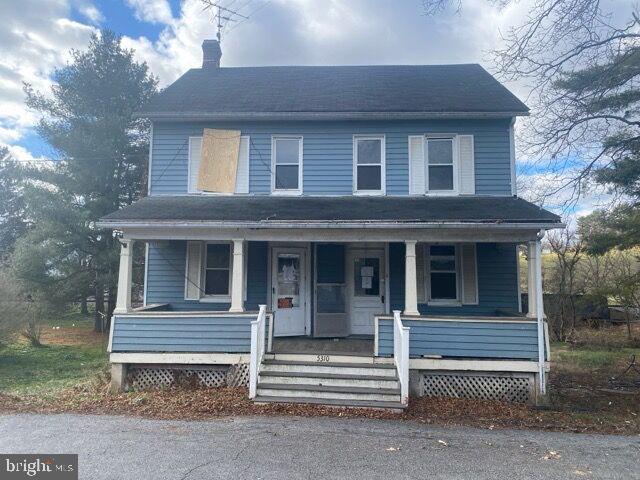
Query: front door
pixel 288 283
pixel 367 290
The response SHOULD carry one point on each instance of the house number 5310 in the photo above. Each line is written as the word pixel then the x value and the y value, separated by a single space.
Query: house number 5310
pixel 322 358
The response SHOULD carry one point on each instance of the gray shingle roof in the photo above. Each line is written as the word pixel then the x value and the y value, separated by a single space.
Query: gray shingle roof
pixel 408 91
pixel 266 209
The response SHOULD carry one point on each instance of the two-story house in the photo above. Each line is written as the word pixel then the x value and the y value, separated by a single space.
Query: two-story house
pixel 338 235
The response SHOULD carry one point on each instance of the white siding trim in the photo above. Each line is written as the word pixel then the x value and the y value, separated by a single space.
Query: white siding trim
pixel 149 166
pixel 191 187
pixel 512 156
pixel 417 165
pixel 146 274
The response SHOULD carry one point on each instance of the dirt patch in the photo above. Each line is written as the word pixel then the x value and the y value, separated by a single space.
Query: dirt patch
pixel 191 404
pixel 71 335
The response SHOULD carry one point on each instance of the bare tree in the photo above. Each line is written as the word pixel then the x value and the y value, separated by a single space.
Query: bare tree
pixel 564 282
pixel 581 64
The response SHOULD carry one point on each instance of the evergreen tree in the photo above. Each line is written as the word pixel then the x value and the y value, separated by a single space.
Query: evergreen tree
pixel 88 118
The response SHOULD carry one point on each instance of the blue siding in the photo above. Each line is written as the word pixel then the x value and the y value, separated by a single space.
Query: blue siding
pixel 212 334
pixel 166 277
pixel 328 153
pixel 499 339
pixel 497 281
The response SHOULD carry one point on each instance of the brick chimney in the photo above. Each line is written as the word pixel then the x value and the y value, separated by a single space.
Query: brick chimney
pixel 211 54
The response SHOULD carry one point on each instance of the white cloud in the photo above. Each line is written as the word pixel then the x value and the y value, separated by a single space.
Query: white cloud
pixel 151 11
pixel 91 13
pixel 35 38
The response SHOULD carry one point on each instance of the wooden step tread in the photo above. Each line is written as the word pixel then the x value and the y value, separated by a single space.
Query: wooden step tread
pixel 330 364
pixel 332 402
pixel 329 388
pixel 337 376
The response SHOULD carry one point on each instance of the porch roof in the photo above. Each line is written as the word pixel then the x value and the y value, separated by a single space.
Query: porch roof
pixel 273 212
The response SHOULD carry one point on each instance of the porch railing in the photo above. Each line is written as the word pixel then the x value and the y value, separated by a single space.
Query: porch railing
pixel 401 355
pixel 258 348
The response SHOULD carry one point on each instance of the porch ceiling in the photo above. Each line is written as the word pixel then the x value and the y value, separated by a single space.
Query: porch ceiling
pixel 272 212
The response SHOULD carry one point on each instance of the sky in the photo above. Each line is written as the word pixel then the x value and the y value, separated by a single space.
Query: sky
pixel 36 39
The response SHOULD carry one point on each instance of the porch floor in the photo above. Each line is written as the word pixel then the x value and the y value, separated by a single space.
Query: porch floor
pixel 334 346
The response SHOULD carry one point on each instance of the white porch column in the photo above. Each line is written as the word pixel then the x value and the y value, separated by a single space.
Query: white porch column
pixel 532 311
pixel 237 279
pixel 539 314
pixel 123 301
pixel 410 279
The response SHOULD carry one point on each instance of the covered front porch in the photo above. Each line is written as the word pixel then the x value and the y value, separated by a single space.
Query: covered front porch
pixel 410 294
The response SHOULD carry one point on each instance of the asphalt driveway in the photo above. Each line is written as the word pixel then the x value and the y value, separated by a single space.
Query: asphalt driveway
pixel 314 448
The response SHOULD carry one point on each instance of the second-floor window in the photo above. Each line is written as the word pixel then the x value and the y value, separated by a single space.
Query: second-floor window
pixel 368 168
pixel 441 164
pixel 286 165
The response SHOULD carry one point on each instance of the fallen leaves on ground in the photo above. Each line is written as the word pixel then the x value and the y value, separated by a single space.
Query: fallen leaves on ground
pixel 204 403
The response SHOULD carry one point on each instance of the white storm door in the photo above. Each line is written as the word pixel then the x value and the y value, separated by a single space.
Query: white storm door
pixel 288 286
pixel 365 270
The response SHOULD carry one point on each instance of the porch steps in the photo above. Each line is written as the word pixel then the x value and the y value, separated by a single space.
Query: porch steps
pixel 349 384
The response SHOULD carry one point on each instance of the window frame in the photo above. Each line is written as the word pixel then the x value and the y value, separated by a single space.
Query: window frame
pixel 225 298
pixel 383 149
pixel 446 302
pixel 286 191
pixel 455 163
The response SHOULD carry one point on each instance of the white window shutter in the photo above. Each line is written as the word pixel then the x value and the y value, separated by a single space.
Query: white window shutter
pixel 416 165
pixel 193 277
pixel 469 274
pixel 195 154
pixel 420 273
pixel 242 173
pixel 466 167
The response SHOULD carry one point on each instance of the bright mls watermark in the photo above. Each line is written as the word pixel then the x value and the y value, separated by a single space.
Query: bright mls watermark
pixel 34 466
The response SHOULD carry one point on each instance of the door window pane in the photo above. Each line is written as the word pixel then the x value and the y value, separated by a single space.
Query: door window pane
pixel 366 277
pixel 217 269
pixel 288 285
pixel 369 177
pixel 330 298
pixel 286 177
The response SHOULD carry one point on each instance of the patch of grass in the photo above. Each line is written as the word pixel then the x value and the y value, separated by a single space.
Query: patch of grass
pixel 567 358
pixel 71 354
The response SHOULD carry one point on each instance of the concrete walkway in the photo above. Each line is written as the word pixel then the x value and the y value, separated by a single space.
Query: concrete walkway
pixel 315 448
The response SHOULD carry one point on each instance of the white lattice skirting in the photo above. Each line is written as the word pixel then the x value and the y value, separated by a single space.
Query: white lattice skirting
pixel 150 376
pixel 506 387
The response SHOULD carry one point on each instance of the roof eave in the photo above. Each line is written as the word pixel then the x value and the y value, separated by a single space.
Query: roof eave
pixel 369 224
pixel 298 116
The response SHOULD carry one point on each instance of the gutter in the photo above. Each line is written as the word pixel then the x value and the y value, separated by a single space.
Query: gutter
pixel 323 225
pixel 262 116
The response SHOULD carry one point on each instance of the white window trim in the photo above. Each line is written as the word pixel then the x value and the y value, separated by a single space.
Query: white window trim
pixel 383 150
pixel 427 277
pixel 456 164
pixel 286 191
pixel 192 190
pixel 216 298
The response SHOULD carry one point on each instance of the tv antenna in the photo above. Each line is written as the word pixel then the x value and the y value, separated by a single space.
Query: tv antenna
pixel 222 15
